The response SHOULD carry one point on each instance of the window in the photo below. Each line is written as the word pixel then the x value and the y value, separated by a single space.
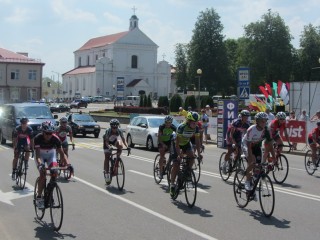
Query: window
pixel 32 94
pixel 0 74
pixel 96 57
pixel 14 94
pixel 1 95
pixel 79 62
pixel 15 74
pixel 134 61
pixel 32 75
pixel 84 84
pixel 77 84
pixel 88 60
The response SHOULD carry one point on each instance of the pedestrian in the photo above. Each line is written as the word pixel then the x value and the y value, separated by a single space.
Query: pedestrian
pixel 270 114
pixel 205 124
pixel 208 111
pixel 304 116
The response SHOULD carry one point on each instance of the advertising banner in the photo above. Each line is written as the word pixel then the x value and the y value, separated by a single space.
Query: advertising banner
pixel 297 131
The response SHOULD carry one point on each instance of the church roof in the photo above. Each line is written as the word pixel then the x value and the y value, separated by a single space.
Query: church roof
pixel 102 41
pixel 8 56
pixel 133 82
pixel 81 70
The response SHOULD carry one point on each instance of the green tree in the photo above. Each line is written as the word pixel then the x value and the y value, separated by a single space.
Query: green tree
pixel 269 49
pixel 181 65
pixel 149 102
pixel 175 102
pixel 141 104
pixel 190 102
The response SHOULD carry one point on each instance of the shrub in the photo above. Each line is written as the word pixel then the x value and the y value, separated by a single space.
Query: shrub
pixel 175 102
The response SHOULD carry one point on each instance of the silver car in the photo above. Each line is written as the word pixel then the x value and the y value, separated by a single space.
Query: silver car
pixel 143 130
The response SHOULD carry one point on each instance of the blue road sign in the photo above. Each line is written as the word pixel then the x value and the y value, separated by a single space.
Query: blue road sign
pixel 244 92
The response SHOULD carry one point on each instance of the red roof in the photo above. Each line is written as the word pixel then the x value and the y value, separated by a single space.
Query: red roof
pixel 133 82
pixel 8 56
pixel 102 41
pixel 81 70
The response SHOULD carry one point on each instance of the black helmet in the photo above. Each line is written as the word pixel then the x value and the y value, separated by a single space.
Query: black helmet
pixel 47 126
pixel 114 122
pixel 24 120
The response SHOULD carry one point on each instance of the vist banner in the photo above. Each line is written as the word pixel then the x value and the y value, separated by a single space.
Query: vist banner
pixel 297 131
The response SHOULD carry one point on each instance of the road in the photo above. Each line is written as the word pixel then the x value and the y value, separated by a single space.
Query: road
pixel 144 210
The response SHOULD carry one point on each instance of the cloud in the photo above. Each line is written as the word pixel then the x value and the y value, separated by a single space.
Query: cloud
pixel 68 13
pixel 112 18
pixel 19 15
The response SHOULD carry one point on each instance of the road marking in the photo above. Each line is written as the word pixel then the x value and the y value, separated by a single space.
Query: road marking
pixel 164 182
pixel 156 214
pixel 7 197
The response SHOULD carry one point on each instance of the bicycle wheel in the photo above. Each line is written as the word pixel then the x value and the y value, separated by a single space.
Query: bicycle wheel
pixel 197 168
pixel 120 174
pixel 21 174
pixel 266 195
pixel 39 212
pixel 67 173
pixel 242 163
pixel 224 175
pixel 308 163
pixel 156 169
pixel 281 169
pixel 56 207
pixel 240 193
pixel 190 189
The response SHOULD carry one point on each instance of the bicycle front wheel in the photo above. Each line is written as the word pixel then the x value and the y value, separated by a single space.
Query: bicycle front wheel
pixel 240 193
pixel 224 167
pixel 21 174
pixel 156 169
pixel 266 195
pixel 308 163
pixel 281 169
pixel 56 207
pixel 120 174
pixel 39 212
pixel 197 168
pixel 190 189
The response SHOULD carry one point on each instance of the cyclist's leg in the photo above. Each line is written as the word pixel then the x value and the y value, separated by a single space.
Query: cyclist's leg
pixel 279 144
pixel 313 148
pixel 119 146
pixel 162 150
pixel 107 154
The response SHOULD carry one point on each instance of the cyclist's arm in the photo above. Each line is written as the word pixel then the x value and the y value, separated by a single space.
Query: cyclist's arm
pixel 287 136
pixel 37 156
pixel 123 140
pixel 63 156
pixel 179 152
pixel 159 136
pixel 198 144
pixel 232 130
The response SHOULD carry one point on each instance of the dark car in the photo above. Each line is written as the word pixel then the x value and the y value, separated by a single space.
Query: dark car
pixel 83 124
pixel 78 103
pixel 58 107
pixel 10 115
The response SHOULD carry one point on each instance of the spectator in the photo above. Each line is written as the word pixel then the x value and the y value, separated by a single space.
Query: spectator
pixel 208 111
pixel 315 117
pixel 270 115
pixel 189 109
pixel 205 124
pixel 304 116
pixel 291 117
pixel 182 112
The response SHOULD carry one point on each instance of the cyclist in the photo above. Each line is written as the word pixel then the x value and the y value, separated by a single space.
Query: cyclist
pixel 314 143
pixel 22 138
pixel 165 131
pixel 183 145
pixel 111 138
pixel 46 145
pixel 275 126
pixel 252 143
pixel 62 132
pixel 234 135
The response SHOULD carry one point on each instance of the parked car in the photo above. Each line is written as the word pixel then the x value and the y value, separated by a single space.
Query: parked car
pixel 143 130
pixel 78 103
pixel 59 107
pixel 10 115
pixel 87 99
pixel 83 124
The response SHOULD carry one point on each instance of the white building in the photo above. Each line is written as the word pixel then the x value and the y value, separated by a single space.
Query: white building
pixel 119 65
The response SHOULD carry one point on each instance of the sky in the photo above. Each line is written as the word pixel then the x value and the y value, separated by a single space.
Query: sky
pixel 51 30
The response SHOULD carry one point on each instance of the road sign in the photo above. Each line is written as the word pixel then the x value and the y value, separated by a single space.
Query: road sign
pixel 244 92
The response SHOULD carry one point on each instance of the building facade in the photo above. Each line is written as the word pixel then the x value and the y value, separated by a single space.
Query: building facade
pixel 118 65
pixel 20 77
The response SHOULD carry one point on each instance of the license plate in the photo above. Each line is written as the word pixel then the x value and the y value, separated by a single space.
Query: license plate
pixel 89 129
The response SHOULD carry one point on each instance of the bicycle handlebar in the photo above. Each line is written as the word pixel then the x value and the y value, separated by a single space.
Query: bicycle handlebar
pixel 124 149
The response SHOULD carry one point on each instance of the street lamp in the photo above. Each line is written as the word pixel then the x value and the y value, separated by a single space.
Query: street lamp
pixel 58 84
pixel 199 72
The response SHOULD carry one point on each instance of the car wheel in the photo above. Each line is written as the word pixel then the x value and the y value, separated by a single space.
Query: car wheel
pixel 96 135
pixel 84 134
pixel 2 139
pixel 149 144
pixel 129 141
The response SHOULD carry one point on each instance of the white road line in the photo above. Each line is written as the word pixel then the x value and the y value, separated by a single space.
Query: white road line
pixel 156 214
pixel 164 182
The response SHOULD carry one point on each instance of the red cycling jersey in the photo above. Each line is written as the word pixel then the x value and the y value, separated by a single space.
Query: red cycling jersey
pixel 275 126
pixel 314 133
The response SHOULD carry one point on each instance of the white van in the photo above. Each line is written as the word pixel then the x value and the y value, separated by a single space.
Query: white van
pixel 132 100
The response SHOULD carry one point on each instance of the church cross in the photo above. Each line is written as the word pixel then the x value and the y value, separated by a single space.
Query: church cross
pixel 134 10
pixel 163 56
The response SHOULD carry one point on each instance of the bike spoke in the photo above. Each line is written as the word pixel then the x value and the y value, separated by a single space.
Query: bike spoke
pixel 266 195
pixel 56 208
pixel 190 188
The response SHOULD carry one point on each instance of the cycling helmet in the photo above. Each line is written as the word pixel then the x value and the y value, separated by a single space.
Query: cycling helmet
pixel 63 120
pixel 47 126
pixel 281 115
pixel 193 116
pixel 168 118
pixel 261 115
pixel 24 120
pixel 114 122
pixel 245 113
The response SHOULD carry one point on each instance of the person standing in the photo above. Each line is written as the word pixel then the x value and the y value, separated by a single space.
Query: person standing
pixel 304 116
pixel 208 111
pixel 205 124
pixel 270 115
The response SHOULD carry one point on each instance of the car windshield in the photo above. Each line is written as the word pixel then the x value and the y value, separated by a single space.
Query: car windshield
pixel 36 112
pixel 83 118
pixel 156 122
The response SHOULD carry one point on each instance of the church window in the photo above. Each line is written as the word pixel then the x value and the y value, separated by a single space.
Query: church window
pixel 79 62
pixel 88 60
pixel 134 61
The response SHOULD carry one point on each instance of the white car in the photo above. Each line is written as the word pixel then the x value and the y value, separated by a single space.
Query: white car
pixel 143 130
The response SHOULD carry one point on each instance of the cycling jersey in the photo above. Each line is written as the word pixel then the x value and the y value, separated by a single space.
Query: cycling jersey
pixel 112 137
pixel 47 149
pixel 315 133
pixel 62 132
pixel 239 129
pixel 184 133
pixel 23 136
pixel 255 136
pixel 275 126
pixel 166 132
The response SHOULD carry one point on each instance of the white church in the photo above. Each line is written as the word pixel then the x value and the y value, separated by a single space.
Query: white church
pixel 118 65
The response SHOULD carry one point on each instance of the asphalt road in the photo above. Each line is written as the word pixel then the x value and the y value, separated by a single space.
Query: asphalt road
pixel 144 210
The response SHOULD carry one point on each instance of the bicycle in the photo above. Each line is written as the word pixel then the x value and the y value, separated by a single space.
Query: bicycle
pixel 261 182
pixel 117 168
pixel 165 170
pixel 232 165
pixel 308 163
pixel 62 168
pixel 53 200
pixel 197 163
pixel 21 170
pixel 186 180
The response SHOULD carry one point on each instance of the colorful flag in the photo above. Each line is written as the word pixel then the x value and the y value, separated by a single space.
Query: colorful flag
pixel 279 87
pixel 264 91
pixel 268 87
pixel 274 88
pixel 284 94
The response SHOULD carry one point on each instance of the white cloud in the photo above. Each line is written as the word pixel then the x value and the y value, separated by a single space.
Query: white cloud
pixel 19 15
pixel 112 18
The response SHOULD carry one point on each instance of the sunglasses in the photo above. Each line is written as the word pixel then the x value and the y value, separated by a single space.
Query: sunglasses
pixel 48 133
pixel 168 122
pixel 114 126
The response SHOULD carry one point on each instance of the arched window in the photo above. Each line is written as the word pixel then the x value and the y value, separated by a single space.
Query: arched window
pixel 134 61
